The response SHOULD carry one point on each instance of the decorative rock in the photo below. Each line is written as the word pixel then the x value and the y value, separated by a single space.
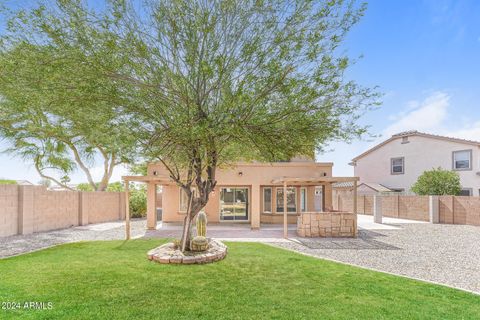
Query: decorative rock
pixel 167 254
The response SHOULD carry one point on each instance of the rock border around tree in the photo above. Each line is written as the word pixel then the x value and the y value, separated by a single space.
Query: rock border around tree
pixel 167 254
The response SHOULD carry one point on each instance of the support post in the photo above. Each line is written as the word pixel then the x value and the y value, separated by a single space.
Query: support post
pixel 255 205
pixel 285 217
pixel 127 211
pixel 433 209
pixel 151 206
pixel 377 209
pixel 355 197
pixel 355 207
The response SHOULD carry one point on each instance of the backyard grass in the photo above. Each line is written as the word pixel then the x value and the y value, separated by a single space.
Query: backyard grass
pixel 114 280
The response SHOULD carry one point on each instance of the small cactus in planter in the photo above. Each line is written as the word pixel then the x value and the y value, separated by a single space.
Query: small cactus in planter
pixel 201 224
pixel 199 243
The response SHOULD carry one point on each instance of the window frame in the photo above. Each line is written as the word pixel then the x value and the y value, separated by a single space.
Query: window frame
pixel 391 165
pixel 271 200
pixel 303 189
pixel 469 160
pixel 470 192
pixel 276 200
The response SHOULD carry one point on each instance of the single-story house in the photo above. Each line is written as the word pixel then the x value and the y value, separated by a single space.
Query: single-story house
pixel 250 193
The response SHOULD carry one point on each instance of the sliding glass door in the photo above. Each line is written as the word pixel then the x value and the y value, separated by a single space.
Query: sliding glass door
pixel 234 204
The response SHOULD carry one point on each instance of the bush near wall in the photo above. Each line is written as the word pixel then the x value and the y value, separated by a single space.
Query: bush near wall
pixel 138 202
pixel 3 181
pixel 138 196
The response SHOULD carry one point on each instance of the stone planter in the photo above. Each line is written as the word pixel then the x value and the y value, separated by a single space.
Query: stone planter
pixel 167 254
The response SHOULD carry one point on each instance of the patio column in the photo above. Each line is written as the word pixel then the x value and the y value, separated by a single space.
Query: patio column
pixel 151 206
pixel 355 207
pixel 285 217
pixel 127 211
pixel 355 197
pixel 255 205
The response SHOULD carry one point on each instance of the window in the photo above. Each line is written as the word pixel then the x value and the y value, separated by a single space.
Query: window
pixel 291 199
pixel 267 199
pixel 183 201
pixel 397 165
pixel 405 140
pixel 466 192
pixel 303 199
pixel 462 160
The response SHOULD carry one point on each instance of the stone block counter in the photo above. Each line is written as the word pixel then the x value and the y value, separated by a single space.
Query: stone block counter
pixel 327 224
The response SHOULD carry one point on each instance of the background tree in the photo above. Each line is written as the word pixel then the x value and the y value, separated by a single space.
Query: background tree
pixel 55 120
pixel 213 82
pixel 438 182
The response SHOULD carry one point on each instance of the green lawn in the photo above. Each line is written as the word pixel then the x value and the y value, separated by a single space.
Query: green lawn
pixel 114 280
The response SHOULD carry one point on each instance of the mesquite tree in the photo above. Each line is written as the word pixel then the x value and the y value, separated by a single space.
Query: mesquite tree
pixel 211 82
pixel 56 122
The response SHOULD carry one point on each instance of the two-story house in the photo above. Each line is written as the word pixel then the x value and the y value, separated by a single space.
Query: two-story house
pixel 398 162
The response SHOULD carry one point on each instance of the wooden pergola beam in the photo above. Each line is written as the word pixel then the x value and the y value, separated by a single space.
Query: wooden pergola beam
pixel 320 180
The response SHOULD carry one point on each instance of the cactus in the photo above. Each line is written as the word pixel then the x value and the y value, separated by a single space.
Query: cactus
pixel 199 243
pixel 201 224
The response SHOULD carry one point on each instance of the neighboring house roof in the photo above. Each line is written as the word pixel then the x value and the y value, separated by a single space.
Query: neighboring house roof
pixel 376 187
pixel 419 134
pixel 24 182
pixel 341 185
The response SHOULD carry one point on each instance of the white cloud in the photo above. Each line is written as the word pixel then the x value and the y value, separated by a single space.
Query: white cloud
pixel 432 116
pixel 428 115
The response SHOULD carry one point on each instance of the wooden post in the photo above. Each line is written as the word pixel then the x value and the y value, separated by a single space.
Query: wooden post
pixel 355 197
pixel 127 211
pixel 355 208
pixel 285 217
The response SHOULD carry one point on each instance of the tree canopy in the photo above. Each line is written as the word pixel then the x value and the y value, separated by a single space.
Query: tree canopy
pixel 438 182
pixel 57 120
pixel 209 82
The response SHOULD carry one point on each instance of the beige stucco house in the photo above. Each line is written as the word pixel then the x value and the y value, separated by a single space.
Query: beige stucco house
pixel 245 193
pixel 398 162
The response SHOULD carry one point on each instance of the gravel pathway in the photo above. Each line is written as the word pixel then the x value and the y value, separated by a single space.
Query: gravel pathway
pixel 15 245
pixel 447 254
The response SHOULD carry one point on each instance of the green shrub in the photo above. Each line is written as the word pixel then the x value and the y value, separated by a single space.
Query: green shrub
pixel 4 181
pixel 438 182
pixel 138 202
pixel 115 187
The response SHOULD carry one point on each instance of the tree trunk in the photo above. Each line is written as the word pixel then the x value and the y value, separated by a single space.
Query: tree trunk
pixel 187 229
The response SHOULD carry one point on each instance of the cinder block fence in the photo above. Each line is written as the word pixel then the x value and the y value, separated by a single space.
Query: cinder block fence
pixel 437 209
pixel 29 209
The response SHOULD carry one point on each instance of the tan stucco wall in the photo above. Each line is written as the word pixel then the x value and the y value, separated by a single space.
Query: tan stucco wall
pixel 420 154
pixel 8 210
pixel 254 176
pixel 28 209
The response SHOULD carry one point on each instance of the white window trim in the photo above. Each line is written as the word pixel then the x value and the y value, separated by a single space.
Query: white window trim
pixel 391 165
pixel 469 161
pixel 276 197
pixel 271 200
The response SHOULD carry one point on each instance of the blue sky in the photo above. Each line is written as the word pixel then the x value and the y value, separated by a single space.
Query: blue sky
pixel 425 58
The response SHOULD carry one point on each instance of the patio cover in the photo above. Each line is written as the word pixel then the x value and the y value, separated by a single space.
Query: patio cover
pixel 161 180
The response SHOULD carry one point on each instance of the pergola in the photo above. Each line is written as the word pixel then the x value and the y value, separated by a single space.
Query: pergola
pixel 297 181
pixel 159 180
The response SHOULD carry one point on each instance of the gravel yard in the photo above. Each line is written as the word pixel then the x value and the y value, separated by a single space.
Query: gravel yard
pixel 15 245
pixel 447 254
